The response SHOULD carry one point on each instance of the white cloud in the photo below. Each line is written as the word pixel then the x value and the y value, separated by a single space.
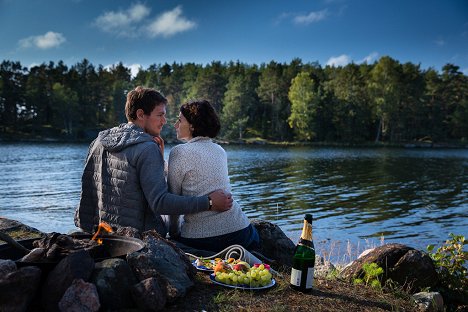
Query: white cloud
pixel 48 40
pixel 134 69
pixel 341 60
pixel 344 59
pixel 138 12
pixel 370 58
pixel 134 22
pixel 312 17
pixel 122 23
pixel 169 23
pixel 440 42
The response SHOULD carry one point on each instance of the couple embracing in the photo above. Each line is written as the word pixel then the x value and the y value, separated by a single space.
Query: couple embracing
pixel 124 182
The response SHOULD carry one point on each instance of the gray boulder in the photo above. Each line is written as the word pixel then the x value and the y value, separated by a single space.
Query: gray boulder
pixel 18 230
pixel 407 266
pixel 165 262
pixel 429 301
pixel 77 265
pixel 18 288
pixel 275 244
pixel 149 295
pixel 113 279
pixel 7 266
pixel 145 267
pixel 80 297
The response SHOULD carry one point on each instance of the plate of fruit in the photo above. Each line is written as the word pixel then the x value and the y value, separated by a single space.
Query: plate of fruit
pixel 206 265
pixel 242 275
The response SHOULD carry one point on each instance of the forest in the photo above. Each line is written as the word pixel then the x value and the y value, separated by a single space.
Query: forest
pixel 386 101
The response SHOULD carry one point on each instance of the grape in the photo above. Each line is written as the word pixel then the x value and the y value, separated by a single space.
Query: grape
pixel 257 275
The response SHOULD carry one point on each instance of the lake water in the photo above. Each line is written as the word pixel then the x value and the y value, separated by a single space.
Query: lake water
pixel 359 197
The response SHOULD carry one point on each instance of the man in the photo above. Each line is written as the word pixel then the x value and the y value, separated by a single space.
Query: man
pixel 123 182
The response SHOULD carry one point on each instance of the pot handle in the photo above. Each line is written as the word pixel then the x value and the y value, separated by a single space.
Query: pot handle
pixel 7 238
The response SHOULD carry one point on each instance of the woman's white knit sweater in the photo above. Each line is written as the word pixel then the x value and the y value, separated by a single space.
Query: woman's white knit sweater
pixel 196 168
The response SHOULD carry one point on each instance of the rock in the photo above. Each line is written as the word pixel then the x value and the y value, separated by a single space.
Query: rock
pixel 429 301
pixel 365 252
pixel 455 297
pixel 18 288
pixel 77 265
pixel 145 267
pixel 322 267
pixel 80 297
pixel 7 266
pixel 165 262
pixel 155 243
pixel 408 267
pixel 148 295
pixel 113 279
pixel 274 243
pixel 18 230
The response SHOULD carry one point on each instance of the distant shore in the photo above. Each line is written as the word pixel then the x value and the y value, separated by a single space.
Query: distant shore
pixel 10 138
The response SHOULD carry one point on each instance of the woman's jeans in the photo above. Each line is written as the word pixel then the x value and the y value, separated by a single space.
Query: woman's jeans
pixel 247 238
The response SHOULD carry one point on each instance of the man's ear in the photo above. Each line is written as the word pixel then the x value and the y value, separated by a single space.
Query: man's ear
pixel 140 113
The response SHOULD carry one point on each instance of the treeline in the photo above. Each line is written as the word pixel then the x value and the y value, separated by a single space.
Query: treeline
pixel 385 101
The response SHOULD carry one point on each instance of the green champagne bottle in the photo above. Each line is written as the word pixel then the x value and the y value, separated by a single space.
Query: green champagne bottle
pixel 302 272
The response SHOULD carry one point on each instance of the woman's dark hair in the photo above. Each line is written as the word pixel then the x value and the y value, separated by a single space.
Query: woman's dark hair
pixel 142 98
pixel 203 118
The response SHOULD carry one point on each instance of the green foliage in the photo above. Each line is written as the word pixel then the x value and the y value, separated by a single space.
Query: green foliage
pixel 450 260
pixel 301 94
pixel 333 274
pixel 371 275
pixel 64 102
pixel 385 88
pixel 387 101
pixel 234 115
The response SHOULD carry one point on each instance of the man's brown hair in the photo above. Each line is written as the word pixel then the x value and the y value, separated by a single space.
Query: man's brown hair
pixel 142 98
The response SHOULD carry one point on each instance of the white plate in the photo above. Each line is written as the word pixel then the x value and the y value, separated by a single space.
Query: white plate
pixel 202 267
pixel 272 283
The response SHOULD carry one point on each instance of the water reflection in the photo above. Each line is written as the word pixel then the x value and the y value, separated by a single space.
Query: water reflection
pixel 412 196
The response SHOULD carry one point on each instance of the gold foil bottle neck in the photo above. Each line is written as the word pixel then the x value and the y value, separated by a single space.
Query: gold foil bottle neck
pixel 307 231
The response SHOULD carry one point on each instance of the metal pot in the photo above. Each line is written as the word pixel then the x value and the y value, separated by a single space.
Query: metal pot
pixel 114 246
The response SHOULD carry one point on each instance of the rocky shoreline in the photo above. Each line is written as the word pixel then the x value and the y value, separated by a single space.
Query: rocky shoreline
pixel 162 274
pixel 259 141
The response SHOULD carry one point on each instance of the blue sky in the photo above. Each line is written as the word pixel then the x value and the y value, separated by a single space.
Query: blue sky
pixel 141 33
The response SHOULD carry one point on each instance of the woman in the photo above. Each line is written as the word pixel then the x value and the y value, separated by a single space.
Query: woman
pixel 197 168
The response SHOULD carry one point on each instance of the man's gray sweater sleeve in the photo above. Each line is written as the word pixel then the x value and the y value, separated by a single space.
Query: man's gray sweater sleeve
pixel 150 168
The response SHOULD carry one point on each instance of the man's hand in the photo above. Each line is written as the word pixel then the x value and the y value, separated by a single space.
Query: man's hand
pixel 222 201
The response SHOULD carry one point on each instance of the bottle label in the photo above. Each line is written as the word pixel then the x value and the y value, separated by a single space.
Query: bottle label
pixel 310 278
pixel 296 276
